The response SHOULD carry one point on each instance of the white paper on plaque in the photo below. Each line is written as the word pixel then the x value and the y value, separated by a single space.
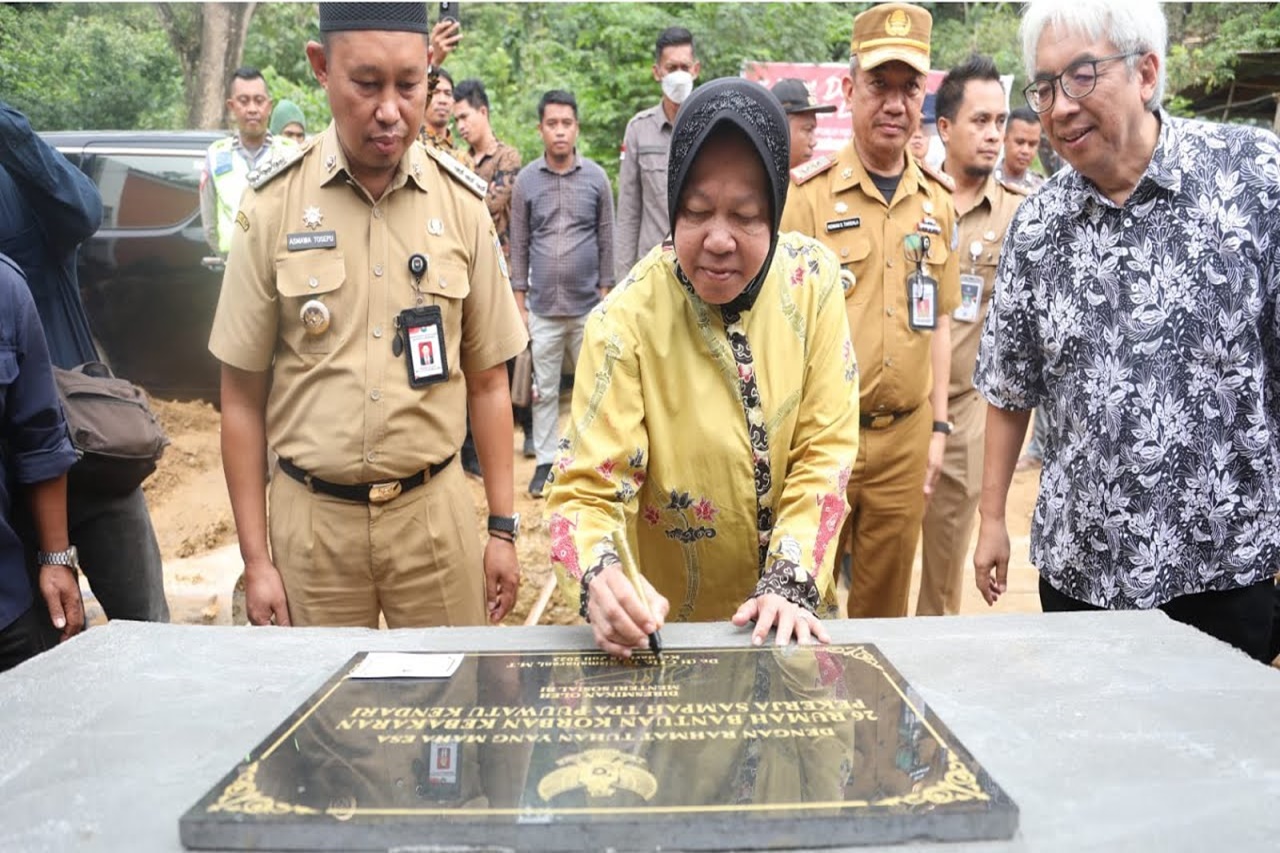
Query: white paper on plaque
pixel 406 665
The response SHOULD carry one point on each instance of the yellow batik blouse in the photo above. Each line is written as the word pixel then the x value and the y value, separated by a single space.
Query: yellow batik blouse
pixel 721 443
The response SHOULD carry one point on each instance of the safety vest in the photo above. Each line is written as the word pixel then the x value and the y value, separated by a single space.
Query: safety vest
pixel 229 169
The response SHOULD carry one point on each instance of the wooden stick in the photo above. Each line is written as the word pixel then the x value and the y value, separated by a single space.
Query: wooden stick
pixel 535 614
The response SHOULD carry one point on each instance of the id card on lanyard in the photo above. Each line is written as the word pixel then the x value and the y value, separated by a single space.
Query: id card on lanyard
pixel 424 344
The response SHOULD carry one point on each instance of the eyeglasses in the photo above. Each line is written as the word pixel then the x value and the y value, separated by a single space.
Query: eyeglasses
pixel 1077 81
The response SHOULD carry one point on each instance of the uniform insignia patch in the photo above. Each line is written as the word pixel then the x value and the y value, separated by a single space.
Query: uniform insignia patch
pixel 807 171
pixel 278 165
pixel 242 220
pixel 464 176
pixel 312 217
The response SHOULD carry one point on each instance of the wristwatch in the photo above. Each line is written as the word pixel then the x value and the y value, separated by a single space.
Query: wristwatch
pixel 509 524
pixel 69 558
pixel 942 426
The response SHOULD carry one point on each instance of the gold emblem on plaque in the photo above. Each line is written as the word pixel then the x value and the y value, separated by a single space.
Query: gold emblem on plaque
pixel 602 772
pixel 898 24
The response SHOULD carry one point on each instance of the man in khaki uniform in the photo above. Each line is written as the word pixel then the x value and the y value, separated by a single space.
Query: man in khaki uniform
pixel 971 118
pixel 365 306
pixel 890 222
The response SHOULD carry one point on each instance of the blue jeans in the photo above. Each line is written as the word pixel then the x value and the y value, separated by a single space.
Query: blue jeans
pixel 1039 434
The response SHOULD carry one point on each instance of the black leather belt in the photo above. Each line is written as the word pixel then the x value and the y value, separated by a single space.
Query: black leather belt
pixel 372 493
pixel 884 419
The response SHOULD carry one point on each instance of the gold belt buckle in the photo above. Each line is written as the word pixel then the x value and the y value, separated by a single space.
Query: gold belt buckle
pixel 881 421
pixel 380 493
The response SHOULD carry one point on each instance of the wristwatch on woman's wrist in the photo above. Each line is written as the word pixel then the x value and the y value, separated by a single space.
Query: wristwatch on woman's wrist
pixel 943 427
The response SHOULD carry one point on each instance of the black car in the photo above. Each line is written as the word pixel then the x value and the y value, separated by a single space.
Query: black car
pixel 146 286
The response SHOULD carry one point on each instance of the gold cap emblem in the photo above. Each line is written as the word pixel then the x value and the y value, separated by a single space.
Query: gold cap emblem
pixel 898 24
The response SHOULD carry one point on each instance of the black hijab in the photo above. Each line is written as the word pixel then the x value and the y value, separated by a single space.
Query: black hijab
pixel 755 112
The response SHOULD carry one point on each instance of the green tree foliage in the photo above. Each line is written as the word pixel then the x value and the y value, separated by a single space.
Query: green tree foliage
pixel 961 29
pixel 84 65
pixel 1206 38
pixel 603 53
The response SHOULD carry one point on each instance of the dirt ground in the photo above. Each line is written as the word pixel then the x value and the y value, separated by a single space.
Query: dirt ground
pixel 193 522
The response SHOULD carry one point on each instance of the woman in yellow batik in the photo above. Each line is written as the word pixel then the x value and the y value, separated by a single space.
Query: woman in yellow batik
pixel 715 409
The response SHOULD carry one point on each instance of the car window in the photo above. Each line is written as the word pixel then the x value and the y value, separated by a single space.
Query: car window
pixel 146 190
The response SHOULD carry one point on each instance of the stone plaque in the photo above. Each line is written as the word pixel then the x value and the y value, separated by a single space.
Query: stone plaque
pixel 711 749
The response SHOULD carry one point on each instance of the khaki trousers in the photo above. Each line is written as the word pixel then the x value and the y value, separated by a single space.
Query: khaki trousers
pixel 948 521
pixel 886 497
pixel 416 559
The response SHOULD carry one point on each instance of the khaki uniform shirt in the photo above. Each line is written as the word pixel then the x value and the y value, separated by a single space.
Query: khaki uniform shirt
pixel 340 404
pixel 981 228
pixel 642 221
pixel 842 208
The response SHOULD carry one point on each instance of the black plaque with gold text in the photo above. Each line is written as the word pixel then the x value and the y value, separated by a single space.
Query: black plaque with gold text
pixel 711 749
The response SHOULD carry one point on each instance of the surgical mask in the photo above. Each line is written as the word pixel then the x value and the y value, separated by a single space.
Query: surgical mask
pixel 677 85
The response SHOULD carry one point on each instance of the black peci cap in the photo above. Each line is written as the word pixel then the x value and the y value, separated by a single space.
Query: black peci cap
pixel 794 96
pixel 393 17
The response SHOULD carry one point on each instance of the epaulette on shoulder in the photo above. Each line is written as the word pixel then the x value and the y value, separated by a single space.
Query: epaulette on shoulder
pixel 464 176
pixel 807 171
pixel 281 160
pixel 938 176
pixel 1010 186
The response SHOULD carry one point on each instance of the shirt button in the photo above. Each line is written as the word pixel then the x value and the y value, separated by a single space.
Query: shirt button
pixel 889 310
pixel 377 213
pixel 375 395
pixel 889 263
pixel 313 282
pixel 377 331
pixel 370 456
pixel 377 269
pixel 844 253
pixel 888 362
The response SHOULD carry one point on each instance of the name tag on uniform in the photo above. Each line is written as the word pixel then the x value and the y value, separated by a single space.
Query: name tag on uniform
pixel 311 240
pixel 929 225
pixel 842 224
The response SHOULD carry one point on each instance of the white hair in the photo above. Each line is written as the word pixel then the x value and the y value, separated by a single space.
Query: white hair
pixel 1133 26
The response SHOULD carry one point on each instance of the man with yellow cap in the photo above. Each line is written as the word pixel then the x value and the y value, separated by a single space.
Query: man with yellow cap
pixel 366 306
pixel 889 219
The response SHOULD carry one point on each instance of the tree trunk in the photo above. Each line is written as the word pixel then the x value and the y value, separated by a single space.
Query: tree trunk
pixel 209 40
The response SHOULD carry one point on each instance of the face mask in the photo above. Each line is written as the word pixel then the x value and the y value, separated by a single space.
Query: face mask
pixel 677 85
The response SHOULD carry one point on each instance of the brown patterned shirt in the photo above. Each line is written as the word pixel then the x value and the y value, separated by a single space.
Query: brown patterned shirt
pixel 500 169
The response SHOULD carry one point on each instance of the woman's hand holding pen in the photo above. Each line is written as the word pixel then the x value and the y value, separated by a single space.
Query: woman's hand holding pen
pixel 618 615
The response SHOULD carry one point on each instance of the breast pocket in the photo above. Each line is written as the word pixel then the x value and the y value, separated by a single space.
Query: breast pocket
pixel 314 312
pixel 853 250
pixel 447 284
pixel 653 169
